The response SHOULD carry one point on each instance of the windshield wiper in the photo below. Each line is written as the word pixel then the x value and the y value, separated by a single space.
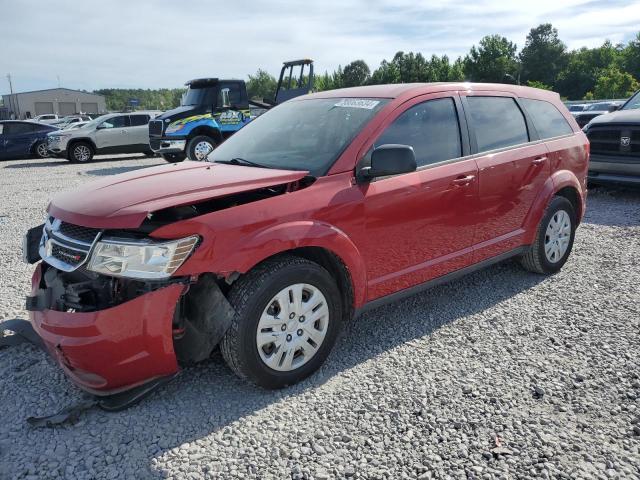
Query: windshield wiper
pixel 242 161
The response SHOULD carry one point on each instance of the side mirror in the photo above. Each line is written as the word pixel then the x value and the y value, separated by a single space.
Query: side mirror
pixel 224 98
pixel 390 159
pixel 613 108
pixel 101 126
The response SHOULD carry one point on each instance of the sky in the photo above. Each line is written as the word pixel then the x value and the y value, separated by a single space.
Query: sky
pixel 87 44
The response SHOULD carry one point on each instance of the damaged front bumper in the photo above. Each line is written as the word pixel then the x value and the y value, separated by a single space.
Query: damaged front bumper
pixel 110 350
pixel 113 335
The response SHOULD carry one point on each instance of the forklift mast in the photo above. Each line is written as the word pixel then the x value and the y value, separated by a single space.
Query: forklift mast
pixel 292 84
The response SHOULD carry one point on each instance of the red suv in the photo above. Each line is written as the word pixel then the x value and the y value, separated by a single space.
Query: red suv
pixel 326 205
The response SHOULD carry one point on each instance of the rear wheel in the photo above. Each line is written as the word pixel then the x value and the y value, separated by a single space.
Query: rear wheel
pixel 173 157
pixel 40 149
pixel 554 238
pixel 200 147
pixel 288 315
pixel 80 152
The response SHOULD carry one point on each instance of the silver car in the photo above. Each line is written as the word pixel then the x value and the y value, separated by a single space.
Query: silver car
pixel 111 133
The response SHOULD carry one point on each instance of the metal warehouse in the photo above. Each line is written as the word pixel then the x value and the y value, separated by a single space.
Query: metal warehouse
pixel 62 101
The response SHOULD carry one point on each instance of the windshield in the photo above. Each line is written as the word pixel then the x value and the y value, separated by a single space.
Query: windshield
pixel 633 103
pixel 300 135
pixel 199 96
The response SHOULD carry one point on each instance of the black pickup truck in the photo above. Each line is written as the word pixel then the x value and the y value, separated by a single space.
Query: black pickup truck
pixel 615 145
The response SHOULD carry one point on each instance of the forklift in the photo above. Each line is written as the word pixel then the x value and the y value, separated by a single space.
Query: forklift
pixel 212 110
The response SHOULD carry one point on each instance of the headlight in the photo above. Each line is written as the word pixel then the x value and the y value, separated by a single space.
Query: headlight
pixel 173 128
pixel 140 259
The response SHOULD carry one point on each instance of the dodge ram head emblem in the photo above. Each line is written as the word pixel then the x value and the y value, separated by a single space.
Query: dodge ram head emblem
pixel 625 141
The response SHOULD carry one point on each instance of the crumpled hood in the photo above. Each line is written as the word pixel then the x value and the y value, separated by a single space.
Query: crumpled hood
pixel 124 200
pixel 621 116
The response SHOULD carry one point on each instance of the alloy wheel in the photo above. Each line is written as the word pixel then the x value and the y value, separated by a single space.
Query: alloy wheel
pixel 557 236
pixel 42 150
pixel 82 153
pixel 292 327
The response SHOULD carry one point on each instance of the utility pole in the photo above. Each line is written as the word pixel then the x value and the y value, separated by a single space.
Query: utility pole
pixel 58 77
pixel 10 84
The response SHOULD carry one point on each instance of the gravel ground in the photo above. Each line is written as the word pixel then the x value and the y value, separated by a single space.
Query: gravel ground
pixel 504 374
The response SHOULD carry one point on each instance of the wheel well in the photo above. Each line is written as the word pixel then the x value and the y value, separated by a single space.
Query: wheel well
pixel 571 194
pixel 208 131
pixel 330 262
pixel 88 141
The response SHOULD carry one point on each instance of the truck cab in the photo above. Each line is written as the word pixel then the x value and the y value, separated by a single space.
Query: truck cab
pixel 212 110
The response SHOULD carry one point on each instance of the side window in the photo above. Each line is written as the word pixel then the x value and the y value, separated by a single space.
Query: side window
pixel 115 122
pixel 235 94
pixel 498 122
pixel 547 118
pixel 431 128
pixel 138 120
pixel 21 128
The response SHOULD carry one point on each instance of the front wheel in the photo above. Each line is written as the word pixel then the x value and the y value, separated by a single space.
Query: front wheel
pixel 554 238
pixel 288 315
pixel 80 152
pixel 200 147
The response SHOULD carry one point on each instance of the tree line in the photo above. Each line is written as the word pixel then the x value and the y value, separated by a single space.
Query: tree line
pixel 607 71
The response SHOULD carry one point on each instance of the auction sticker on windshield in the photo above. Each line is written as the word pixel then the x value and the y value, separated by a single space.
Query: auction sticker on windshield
pixel 357 103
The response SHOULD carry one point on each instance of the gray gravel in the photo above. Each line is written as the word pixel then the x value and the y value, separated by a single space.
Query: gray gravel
pixel 504 374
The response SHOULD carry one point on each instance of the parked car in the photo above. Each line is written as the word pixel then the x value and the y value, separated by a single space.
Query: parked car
pixel 615 145
pixel 576 108
pixel 111 133
pixel 322 207
pixel 593 110
pixel 47 118
pixel 20 139
pixel 65 121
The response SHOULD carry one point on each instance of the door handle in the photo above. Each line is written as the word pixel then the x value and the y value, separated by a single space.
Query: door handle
pixel 539 160
pixel 123 131
pixel 466 180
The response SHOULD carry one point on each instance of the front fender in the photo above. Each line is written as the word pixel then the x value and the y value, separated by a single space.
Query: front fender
pixel 305 233
pixel 184 126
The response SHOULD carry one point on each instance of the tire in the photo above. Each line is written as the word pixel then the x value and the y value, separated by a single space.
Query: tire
pixel 197 148
pixel 557 241
pixel 173 157
pixel 80 152
pixel 253 298
pixel 149 153
pixel 40 149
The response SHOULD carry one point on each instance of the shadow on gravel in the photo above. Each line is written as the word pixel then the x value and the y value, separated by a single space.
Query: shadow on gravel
pixel 604 200
pixel 214 398
pixel 34 164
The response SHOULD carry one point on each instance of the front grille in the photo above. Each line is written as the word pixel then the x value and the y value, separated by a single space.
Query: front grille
pixel 66 246
pixel 76 232
pixel 622 141
pixel 155 128
pixel 68 255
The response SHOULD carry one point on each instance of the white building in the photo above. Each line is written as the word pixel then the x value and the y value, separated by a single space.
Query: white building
pixel 62 101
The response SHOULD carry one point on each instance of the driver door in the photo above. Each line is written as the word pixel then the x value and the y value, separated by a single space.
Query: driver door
pixel 112 134
pixel 420 225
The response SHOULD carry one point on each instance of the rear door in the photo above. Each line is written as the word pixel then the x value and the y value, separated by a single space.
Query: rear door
pixel 420 225
pixel 513 166
pixel 139 130
pixel 19 139
pixel 112 133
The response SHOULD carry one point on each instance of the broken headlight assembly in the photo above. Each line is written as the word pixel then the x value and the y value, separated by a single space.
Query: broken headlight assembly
pixel 143 259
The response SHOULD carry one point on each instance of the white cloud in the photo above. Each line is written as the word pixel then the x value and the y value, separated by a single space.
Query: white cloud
pixel 144 43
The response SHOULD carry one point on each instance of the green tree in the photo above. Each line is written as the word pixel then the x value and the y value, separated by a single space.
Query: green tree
pixel 494 60
pixel 613 83
pixel 544 55
pixel 355 74
pixel 261 85
pixel 631 57
pixel 538 84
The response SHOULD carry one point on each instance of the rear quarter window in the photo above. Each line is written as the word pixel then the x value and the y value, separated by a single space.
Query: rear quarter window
pixel 498 122
pixel 548 120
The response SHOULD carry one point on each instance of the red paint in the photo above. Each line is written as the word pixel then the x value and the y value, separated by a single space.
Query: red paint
pixel 391 234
